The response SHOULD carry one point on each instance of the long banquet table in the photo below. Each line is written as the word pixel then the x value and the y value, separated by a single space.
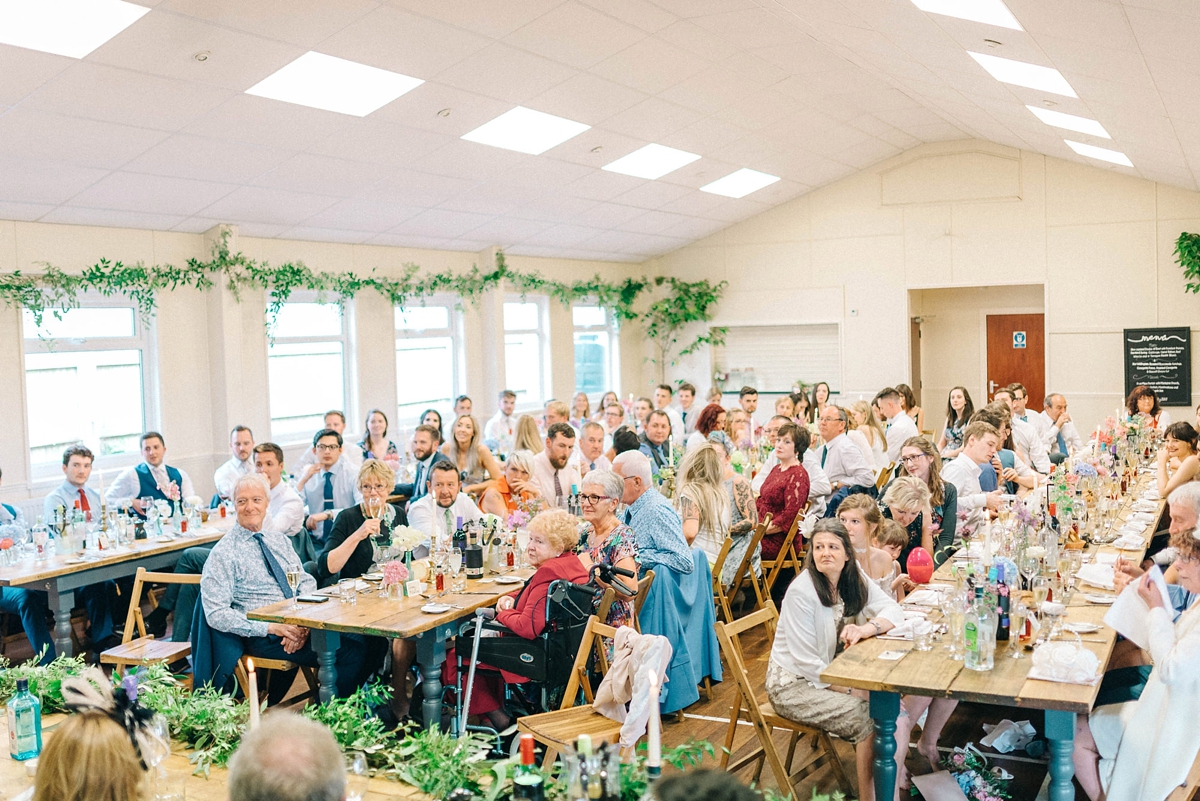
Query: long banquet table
pixel 62 574
pixel 934 674
pixel 374 616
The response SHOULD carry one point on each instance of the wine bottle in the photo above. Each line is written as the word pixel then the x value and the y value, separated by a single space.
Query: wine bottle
pixel 1002 604
pixel 527 780
pixel 460 534
pixel 473 556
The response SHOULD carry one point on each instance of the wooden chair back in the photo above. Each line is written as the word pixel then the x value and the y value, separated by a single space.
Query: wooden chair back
pixel 882 479
pixel 764 719
pixel 644 584
pixel 745 568
pixel 1188 790
pixel 720 599
pixel 134 620
pixel 789 554
pixel 143 649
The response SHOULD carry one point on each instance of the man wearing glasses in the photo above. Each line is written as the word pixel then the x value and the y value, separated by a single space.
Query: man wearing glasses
pixel 328 486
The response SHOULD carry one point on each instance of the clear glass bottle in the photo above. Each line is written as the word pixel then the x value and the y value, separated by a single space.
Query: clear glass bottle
pixel 979 633
pixel 24 723
pixel 41 540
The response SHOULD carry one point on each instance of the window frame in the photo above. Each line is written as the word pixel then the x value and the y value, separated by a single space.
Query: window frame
pixel 543 334
pixel 144 340
pixel 346 338
pixel 613 328
pixel 455 330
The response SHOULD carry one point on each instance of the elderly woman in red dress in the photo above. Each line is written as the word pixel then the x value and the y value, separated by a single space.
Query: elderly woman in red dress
pixel 785 491
pixel 553 536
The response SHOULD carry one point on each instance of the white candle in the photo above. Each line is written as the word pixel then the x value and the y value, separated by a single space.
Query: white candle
pixel 654 732
pixel 253 688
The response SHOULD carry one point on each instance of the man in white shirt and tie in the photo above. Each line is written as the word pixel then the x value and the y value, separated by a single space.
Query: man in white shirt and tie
pixel 819 487
pixel 328 485
pixel 662 401
pixel 981 441
pixel 1026 437
pixel 900 427
pixel 501 428
pixel 335 420
pixel 241 462
pixel 591 449
pixel 1058 433
pixel 843 462
pixel 153 479
pixel 436 514
pixel 77 469
pixel 686 395
pixel 553 472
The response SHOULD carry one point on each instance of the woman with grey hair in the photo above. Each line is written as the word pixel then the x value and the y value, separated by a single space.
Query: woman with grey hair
pixel 605 539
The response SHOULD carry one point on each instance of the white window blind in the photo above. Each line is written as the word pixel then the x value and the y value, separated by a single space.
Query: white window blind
pixel 781 355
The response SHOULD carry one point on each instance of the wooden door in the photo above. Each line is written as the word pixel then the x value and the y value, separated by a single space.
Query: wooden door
pixel 1016 352
pixel 914 347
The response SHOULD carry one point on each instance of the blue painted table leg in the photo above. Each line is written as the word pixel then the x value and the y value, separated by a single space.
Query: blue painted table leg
pixel 1060 731
pixel 431 654
pixel 885 708
pixel 326 644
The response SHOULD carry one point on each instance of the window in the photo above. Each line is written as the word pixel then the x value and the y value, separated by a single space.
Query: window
pixel 306 367
pixel 427 358
pixel 595 351
pixel 772 358
pixel 525 353
pixel 100 352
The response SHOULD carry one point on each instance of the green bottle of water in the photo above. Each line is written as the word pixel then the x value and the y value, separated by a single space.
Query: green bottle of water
pixel 24 723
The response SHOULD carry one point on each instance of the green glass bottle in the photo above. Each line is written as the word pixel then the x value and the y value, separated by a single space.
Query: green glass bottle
pixel 24 723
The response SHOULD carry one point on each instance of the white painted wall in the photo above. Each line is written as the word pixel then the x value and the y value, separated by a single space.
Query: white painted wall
pixel 956 215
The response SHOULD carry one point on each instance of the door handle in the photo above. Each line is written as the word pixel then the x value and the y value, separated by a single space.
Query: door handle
pixel 991 387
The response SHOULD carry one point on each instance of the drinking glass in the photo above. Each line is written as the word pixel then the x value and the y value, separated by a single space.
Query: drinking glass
pixel 147 504
pixel 1016 627
pixel 348 590
pixel 170 786
pixel 293 580
pixel 1030 566
pixel 954 609
pixel 356 776
pixel 374 507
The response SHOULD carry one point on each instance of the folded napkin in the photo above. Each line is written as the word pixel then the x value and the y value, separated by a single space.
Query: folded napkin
pixel 1097 575
pixel 1007 736
pixel 1129 542
pixel 1151 495
pixel 1140 517
pixel 1145 506
pixel 1065 662
pixel 974 551
pixel 905 630
pixel 1106 558
pixel 1134 526
pixel 923 598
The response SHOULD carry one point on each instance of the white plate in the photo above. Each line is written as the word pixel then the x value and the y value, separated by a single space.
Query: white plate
pixel 372 576
pixel 509 580
pixel 1104 600
pixel 74 560
pixel 1081 628
pixel 435 609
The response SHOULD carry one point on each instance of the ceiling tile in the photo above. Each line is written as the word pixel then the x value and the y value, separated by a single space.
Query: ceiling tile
pixel 422 107
pixel 701 8
pixel 411 188
pixel 26 212
pixel 650 66
pixel 595 148
pixel 652 195
pixel 379 142
pixel 469 160
pixel 609 215
pixel 866 153
pixel 602 185
pixel 410 241
pixel 505 73
pixel 586 98
pixel 711 90
pixel 575 34
pixel 493 198
pixel 320 175
pixel 112 218
pixel 1086 21
pixel 652 119
pixel 753 27
pixel 357 214
pixel 562 236
pixel 34 134
pixel 164 44
pixel 396 40
pixel 99 92
pixel 759 110
pixel 506 231
pixel 543 174
pixel 151 193
pixel 705 136
pixel 500 20
pixel 1121 66
pixel 300 22
pixel 202 158
pixel 259 121
pixel 553 207
pixel 23 71
pixel 653 222
pixel 30 181
pixel 267 206
pixel 756 69
pixel 640 13
pixel 689 36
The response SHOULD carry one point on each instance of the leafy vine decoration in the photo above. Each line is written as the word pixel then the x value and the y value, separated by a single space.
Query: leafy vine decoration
pixel 56 291
pixel 1187 256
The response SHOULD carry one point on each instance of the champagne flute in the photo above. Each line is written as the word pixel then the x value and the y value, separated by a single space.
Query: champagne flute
pixel 1041 589
pixel 374 507
pixel 1016 617
pixel 356 776
pixel 293 580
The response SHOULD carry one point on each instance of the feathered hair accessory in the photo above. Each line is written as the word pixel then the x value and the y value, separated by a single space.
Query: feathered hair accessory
pixel 92 690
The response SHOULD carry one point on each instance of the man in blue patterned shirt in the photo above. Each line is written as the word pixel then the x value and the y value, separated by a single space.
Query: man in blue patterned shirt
pixel 247 570
pixel 657 527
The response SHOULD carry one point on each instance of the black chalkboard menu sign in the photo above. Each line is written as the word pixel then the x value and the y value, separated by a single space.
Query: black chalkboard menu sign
pixel 1160 358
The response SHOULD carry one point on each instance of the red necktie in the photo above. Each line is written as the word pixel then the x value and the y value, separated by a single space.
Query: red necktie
pixel 83 505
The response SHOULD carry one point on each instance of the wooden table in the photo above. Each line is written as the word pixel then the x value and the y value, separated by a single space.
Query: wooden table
pixel 60 575
pixel 379 617
pixel 934 674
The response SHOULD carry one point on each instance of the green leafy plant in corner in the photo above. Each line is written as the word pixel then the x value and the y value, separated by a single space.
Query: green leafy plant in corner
pixel 1187 256
pixel 669 319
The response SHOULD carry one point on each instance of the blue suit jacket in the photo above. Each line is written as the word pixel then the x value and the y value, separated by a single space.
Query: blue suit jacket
pixel 407 489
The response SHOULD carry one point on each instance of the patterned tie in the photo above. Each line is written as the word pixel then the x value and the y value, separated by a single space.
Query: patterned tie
pixel 86 508
pixel 557 486
pixel 327 526
pixel 273 565
pixel 449 524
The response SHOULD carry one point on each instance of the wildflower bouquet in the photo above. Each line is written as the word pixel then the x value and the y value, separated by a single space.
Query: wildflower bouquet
pixel 977 781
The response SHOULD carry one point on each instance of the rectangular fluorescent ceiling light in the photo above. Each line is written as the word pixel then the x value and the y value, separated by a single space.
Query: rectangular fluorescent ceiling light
pixel 651 161
pixel 1069 121
pixel 1101 153
pixel 334 84
pixel 740 183
pixel 989 12
pixel 65 27
pixel 526 131
pixel 1020 73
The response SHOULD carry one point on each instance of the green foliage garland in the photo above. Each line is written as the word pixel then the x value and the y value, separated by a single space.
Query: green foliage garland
pixel 56 291
pixel 1187 256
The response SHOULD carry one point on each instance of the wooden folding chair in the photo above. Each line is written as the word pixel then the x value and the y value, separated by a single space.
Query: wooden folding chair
pixel 144 649
pixel 559 729
pixel 278 669
pixel 764 719
pixel 643 590
pixel 745 568
pixel 789 555
pixel 886 473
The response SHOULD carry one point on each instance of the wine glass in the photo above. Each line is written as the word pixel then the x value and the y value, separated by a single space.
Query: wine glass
pixel 1030 566
pixel 374 507
pixel 1016 618
pixel 954 609
pixel 154 744
pixel 456 560
pixel 293 580
pixel 356 776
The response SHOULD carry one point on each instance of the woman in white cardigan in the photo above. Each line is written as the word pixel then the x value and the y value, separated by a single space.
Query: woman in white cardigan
pixel 1142 750
pixel 830 605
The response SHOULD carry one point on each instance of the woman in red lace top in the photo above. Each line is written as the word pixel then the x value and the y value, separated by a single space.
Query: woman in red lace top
pixel 785 491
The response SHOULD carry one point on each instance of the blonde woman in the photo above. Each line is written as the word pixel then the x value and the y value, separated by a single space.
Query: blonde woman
pixel 89 756
pixel 863 416
pixel 703 503
pixel 860 440
pixel 504 496
pixel 860 515
pixel 527 436
pixel 581 410
pixel 737 427
pixel 466 449
pixel 907 501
